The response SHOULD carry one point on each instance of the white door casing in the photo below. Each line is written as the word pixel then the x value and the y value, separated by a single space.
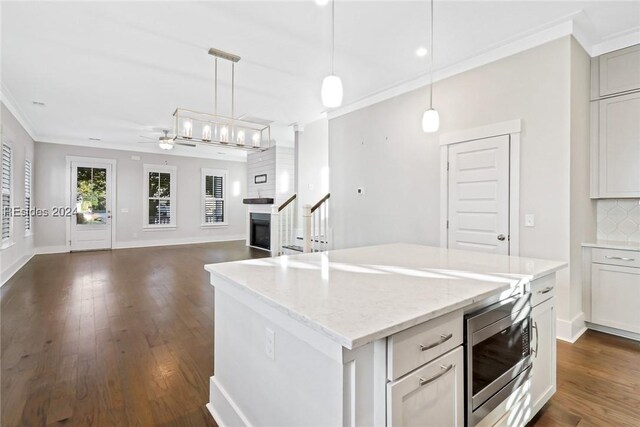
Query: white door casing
pixel 510 128
pixel 90 203
pixel 479 195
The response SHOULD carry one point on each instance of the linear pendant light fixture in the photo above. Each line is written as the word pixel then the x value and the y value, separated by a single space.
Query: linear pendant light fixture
pixel 431 118
pixel 332 85
pixel 214 129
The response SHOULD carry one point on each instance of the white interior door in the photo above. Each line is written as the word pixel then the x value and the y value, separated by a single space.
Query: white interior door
pixel 91 190
pixel 479 195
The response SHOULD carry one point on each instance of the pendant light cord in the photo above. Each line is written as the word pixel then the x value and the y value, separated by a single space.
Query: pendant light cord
pixel 431 66
pixel 333 34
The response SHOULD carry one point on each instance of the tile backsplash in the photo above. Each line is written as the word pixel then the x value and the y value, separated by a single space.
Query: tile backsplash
pixel 618 220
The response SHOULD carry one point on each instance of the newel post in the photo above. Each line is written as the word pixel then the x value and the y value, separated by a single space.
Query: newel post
pixel 306 227
pixel 275 231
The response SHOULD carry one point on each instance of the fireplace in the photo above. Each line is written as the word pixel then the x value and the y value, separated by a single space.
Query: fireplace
pixel 260 230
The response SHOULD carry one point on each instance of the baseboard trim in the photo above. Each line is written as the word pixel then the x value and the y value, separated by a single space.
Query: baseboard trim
pixel 10 271
pixel 223 409
pixel 173 242
pixel 44 250
pixel 571 330
pixel 614 331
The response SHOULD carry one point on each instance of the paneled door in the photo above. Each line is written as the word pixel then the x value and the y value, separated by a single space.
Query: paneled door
pixel 91 190
pixel 478 195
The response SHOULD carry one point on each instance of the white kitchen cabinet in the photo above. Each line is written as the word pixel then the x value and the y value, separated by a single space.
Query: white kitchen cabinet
pixel 619 71
pixel 543 371
pixel 615 294
pixel 615 152
pixel 430 396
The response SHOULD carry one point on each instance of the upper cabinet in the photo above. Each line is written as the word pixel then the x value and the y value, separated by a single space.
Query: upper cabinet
pixel 615 125
pixel 619 71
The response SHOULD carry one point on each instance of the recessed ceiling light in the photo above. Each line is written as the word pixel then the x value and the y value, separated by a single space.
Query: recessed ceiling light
pixel 95 139
pixel 421 52
pixel 38 103
pixel 322 2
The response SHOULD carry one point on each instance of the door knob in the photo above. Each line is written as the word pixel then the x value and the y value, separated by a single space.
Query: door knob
pixel 501 237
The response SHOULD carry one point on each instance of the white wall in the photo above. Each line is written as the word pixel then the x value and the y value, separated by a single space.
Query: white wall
pixel 313 162
pixel 382 149
pixel 15 256
pixel 50 191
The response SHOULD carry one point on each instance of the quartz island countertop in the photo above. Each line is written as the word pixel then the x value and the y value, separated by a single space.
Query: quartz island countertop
pixel 355 296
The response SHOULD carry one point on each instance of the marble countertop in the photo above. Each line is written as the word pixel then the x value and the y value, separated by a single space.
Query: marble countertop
pixel 609 244
pixel 355 296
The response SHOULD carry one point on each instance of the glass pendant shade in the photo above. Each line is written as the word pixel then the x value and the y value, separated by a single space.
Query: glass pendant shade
pixel 430 121
pixel 332 91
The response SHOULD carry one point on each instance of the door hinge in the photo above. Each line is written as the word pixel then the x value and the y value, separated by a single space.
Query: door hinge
pixel 447 165
pixel 447 223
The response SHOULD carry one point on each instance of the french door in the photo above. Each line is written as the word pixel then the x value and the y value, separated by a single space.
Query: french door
pixel 91 191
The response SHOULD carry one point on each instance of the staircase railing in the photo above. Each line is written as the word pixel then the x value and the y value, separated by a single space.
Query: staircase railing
pixel 315 232
pixel 283 225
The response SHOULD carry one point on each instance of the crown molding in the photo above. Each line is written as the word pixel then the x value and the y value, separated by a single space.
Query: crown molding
pixel 565 26
pixel 9 101
pixel 512 47
pixel 616 41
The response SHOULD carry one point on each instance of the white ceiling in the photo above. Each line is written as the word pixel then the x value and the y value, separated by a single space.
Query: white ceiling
pixel 116 70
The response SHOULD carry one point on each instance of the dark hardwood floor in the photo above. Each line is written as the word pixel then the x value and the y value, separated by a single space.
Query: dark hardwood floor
pixel 125 338
pixel 116 338
pixel 598 384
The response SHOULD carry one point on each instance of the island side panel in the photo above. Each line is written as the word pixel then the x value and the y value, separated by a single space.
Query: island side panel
pixel 301 385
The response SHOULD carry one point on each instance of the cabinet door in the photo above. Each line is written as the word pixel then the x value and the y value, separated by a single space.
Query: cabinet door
pixel 615 293
pixel 430 396
pixel 620 71
pixel 619 146
pixel 543 371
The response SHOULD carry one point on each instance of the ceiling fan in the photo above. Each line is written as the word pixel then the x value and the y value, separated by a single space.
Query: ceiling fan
pixel 165 142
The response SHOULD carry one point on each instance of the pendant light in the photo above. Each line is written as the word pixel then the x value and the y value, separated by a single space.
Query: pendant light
pixel 431 118
pixel 332 85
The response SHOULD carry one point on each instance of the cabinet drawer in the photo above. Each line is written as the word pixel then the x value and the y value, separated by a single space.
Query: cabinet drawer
pixel 615 292
pixel 542 289
pixel 422 343
pixel 431 396
pixel 616 257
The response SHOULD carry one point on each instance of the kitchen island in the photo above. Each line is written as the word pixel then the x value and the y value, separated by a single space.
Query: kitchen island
pixel 354 336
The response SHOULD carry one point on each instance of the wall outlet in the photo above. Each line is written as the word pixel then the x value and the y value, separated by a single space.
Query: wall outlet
pixel 529 220
pixel 270 343
pixel 360 191
pixel 124 210
pixel 136 158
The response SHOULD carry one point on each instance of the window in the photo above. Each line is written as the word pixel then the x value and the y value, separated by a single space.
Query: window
pixel 214 193
pixel 6 194
pixel 27 196
pixel 159 196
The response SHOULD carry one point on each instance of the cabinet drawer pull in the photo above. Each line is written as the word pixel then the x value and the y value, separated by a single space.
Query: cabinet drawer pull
pixel 443 338
pixel 435 377
pixel 619 258
pixel 546 290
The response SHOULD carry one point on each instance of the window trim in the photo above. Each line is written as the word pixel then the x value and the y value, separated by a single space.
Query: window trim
pixel 204 172
pixel 28 231
pixel 172 170
pixel 9 241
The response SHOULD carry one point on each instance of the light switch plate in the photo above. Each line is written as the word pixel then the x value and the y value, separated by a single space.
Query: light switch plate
pixel 360 191
pixel 529 220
